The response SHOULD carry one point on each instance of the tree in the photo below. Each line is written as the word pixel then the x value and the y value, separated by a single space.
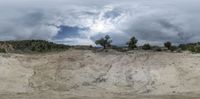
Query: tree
pixel 168 45
pixel 146 47
pixel 105 42
pixel 132 43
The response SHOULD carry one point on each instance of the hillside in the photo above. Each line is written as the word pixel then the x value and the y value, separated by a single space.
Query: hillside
pixel 29 46
pixel 78 73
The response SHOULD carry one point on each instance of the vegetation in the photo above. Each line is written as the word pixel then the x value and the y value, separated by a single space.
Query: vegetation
pixel 132 43
pixel 168 45
pixel 156 48
pixel 120 48
pixel 2 50
pixel 193 47
pixel 104 42
pixel 35 46
pixel 146 47
pixel 173 48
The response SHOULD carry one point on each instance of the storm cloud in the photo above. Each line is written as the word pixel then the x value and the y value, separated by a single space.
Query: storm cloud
pixel 82 22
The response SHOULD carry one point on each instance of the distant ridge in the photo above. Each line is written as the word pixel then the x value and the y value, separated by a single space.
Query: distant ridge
pixel 31 46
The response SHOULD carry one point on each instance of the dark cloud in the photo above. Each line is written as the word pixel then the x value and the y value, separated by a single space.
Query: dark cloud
pixel 32 19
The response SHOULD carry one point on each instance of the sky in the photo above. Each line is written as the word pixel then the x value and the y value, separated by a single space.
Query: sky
pixel 81 22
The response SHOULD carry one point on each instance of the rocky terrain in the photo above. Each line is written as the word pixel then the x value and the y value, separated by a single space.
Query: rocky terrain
pixel 80 74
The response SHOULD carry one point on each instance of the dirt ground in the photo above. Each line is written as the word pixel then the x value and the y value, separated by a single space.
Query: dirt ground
pixel 83 74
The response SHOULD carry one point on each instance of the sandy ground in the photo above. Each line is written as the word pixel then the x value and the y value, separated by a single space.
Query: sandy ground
pixel 80 74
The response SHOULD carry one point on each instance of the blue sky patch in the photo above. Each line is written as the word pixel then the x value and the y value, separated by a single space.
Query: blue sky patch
pixel 68 31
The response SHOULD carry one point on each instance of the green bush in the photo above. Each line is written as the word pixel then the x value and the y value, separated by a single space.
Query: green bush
pixel 182 47
pixel 173 48
pixel 193 47
pixel 146 47
pixel 2 50
pixel 156 48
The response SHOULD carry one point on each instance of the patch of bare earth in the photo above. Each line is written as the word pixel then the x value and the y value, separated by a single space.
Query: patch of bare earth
pixel 80 74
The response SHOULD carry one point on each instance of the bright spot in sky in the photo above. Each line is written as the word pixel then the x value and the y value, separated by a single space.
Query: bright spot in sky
pixel 98 27
pixel 102 26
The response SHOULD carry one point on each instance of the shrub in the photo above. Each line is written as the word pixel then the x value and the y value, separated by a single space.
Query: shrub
pixel 197 49
pixel 193 47
pixel 156 48
pixel 119 48
pixel 182 47
pixel 132 43
pixel 2 50
pixel 173 48
pixel 104 42
pixel 146 47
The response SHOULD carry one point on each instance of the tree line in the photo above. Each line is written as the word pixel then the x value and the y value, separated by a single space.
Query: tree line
pixel 106 41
